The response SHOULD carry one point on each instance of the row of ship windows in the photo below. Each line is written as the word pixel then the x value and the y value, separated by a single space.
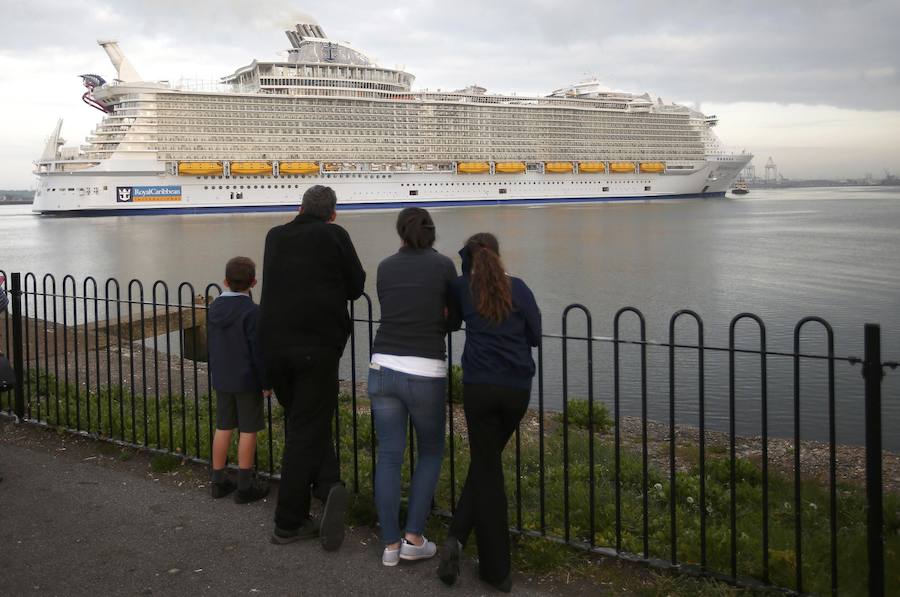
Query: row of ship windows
pixel 488 103
pixel 525 182
pixel 414 192
pixel 510 115
pixel 295 128
pixel 302 105
pixel 327 175
pixel 503 190
pixel 82 190
pixel 330 83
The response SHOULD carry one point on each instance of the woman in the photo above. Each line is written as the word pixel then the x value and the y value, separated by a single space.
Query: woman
pixel 408 380
pixel 503 322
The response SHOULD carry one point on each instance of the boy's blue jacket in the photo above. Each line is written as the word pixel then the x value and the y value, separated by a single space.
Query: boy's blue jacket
pixel 235 361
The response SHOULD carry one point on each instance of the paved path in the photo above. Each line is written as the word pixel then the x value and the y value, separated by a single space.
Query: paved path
pixel 76 521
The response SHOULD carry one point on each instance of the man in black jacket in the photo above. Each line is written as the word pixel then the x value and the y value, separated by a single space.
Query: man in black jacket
pixel 310 271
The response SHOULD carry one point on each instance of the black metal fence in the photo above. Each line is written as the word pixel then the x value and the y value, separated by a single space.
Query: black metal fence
pixel 123 363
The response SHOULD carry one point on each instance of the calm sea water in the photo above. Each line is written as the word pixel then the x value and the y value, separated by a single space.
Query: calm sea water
pixel 783 254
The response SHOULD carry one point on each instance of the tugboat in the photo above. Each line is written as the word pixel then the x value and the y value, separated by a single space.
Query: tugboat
pixel 740 188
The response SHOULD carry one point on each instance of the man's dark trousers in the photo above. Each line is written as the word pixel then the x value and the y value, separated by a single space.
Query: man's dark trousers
pixel 305 381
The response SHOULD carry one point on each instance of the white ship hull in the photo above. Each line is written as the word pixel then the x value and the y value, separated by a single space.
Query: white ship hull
pixel 97 193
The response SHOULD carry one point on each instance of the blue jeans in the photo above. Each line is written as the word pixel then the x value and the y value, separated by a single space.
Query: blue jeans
pixel 395 397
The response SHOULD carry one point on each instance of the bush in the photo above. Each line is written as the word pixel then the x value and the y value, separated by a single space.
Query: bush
pixel 578 415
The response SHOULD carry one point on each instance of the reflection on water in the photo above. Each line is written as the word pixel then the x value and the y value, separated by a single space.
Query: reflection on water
pixel 782 254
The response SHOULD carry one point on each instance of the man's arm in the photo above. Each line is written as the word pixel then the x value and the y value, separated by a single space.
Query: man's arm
pixel 354 275
pixel 268 253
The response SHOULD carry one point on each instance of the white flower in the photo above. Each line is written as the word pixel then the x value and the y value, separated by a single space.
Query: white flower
pixel 813 506
pixel 658 487
pixel 690 500
pixel 787 506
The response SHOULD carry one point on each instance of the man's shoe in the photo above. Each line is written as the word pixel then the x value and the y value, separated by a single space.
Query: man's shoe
pixel 411 551
pixel 220 490
pixel 257 491
pixel 309 530
pixel 448 569
pixel 331 530
pixel 504 585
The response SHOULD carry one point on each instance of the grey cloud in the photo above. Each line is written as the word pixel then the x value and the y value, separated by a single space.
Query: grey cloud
pixel 834 52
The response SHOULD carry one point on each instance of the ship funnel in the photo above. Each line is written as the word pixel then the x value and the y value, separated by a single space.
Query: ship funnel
pixel 124 70
pixel 51 149
pixel 303 31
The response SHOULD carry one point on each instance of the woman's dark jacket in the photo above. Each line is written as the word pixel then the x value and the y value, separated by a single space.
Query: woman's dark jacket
pixel 498 353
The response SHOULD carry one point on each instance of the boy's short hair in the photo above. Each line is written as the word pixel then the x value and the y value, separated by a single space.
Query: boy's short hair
pixel 239 273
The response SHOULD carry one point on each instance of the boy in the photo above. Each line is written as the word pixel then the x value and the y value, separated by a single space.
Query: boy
pixel 235 364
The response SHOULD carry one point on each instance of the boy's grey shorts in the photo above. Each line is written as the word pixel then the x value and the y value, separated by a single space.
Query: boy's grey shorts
pixel 241 410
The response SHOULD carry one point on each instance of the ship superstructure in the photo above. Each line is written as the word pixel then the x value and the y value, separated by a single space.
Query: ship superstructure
pixel 327 114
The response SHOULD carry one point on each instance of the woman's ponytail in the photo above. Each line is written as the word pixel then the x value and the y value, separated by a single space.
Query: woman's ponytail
pixel 490 285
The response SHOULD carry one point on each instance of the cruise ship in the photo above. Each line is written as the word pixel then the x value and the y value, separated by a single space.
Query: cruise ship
pixel 325 113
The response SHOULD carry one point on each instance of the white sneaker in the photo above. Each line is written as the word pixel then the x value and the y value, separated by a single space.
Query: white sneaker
pixel 411 551
pixel 390 557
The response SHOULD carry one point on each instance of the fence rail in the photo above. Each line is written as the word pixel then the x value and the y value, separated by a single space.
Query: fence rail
pixel 106 362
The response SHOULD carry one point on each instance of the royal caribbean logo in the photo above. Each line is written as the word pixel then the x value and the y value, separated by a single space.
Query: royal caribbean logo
pixel 150 193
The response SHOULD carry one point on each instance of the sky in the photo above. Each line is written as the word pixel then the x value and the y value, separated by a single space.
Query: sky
pixel 815 84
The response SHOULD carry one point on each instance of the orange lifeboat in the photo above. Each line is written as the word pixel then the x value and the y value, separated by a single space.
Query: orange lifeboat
pixel 509 167
pixel 653 167
pixel 621 167
pixel 558 167
pixel 200 168
pixel 302 168
pixel 591 167
pixel 247 168
pixel 473 167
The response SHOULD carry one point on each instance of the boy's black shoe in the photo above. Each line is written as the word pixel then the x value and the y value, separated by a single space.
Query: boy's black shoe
pixel 331 530
pixel 448 569
pixel 257 491
pixel 220 490
pixel 309 530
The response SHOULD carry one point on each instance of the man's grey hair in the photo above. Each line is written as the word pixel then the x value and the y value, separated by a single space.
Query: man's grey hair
pixel 319 202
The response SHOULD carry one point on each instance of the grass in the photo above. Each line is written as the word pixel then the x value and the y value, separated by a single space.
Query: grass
pixel 182 428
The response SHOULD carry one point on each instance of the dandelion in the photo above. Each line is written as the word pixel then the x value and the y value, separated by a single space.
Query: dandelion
pixel 690 500
pixel 658 487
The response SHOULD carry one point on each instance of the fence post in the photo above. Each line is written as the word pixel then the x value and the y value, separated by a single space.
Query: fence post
pixel 873 372
pixel 18 348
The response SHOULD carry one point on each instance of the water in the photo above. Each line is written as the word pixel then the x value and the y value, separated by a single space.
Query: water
pixel 782 254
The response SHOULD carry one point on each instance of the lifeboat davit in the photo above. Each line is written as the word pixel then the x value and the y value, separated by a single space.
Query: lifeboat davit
pixel 653 167
pixel 298 168
pixel 591 167
pixel 247 168
pixel 509 167
pixel 473 167
pixel 621 167
pixel 200 168
pixel 558 167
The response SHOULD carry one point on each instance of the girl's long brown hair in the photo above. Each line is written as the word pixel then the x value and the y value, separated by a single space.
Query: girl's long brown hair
pixel 490 285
